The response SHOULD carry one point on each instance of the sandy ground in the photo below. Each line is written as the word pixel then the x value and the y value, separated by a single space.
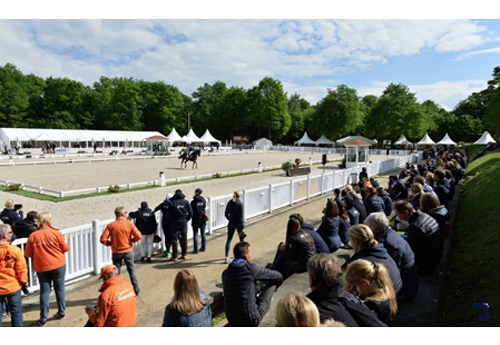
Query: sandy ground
pixel 71 176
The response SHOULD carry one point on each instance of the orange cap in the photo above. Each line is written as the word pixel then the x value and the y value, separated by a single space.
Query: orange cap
pixel 108 270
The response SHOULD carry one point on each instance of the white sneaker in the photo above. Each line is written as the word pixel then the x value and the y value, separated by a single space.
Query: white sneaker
pixel 228 260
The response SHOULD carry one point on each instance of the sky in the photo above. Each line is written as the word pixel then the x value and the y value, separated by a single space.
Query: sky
pixel 438 54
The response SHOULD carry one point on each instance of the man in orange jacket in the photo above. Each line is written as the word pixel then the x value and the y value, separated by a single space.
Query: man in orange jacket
pixel 13 276
pixel 116 305
pixel 121 235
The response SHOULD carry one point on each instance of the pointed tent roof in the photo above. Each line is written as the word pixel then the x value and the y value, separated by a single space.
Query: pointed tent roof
pixel 402 141
pixel 356 140
pixel 174 136
pixel 208 138
pixel 426 140
pixel 191 137
pixel 485 139
pixel 305 140
pixel 324 140
pixel 262 142
pixel 447 141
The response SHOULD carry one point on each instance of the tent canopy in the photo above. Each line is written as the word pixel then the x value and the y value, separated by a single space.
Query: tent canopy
pixel 402 141
pixel 207 137
pixel 262 143
pixel 174 136
pixel 447 141
pixel 305 140
pixel 485 139
pixel 356 140
pixel 426 140
pixel 191 137
pixel 324 141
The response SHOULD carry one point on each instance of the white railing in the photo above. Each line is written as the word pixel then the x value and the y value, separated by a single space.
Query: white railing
pixel 87 255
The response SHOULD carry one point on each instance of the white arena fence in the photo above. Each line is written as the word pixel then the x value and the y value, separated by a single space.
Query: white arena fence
pixel 87 255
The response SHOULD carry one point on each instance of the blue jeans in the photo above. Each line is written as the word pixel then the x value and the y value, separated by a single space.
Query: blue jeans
pixel 202 228
pixel 129 262
pixel 13 303
pixel 46 279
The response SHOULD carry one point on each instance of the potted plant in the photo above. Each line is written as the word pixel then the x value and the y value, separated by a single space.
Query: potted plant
pixel 292 169
pixel 114 189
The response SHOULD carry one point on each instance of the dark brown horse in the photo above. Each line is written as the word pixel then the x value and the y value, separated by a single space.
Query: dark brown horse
pixel 191 156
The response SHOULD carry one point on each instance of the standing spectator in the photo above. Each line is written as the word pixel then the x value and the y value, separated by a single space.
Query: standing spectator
pixel 10 214
pixel 180 214
pixel 363 174
pixel 121 235
pixel 47 246
pixel 189 306
pixel 372 283
pixel 199 221
pixel 332 300
pixel 145 221
pixel 296 310
pixel 13 276
pixel 423 235
pixel 116 305
pixel 245 302
pixel 164 207
pixel 234 213
pixel 399 250
pixel 24 227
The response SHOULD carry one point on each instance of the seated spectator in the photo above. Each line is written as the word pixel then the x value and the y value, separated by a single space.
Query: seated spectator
pixel 429 203
pixel 345 224
pixel 357 203
pixel 382 193
pixel 399 250
pixel 189 306
pixel 332 301
pixel 374 182
pixel 396 189
pixel 330 226
pixel 416 193
pixel 351 210
pixel 245 302
pixel 442 186
pixel 367 247
pixel 426 187
pixel 10 214
pixel 295 310
pixel 292 255
pixel 424 236
pixel 372 283
pixel 319 244
pixel 451 180
pixel 373 203
pixel 24 227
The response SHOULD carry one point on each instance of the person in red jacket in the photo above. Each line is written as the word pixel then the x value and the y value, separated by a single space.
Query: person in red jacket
pixel 13 276
pixel 121 235
pixel 47 246
pixel 116 305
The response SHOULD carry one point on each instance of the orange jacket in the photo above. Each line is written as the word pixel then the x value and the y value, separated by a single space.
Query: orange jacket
pixel 116 305
pixel 46 246
pixel 120 235
pixel 13 269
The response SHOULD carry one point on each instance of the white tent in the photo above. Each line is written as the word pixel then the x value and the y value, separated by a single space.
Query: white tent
pixel 305 140
pixel 356 138
pixel 426 140
pixel 485 139
pixel 208 138
pixel 262 143
pixel 446 141
pixel 324 141
pixel 402 141
pixel 191 137
pixel 174 136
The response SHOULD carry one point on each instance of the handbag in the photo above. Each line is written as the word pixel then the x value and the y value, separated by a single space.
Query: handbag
pixel 157 239
pixel 206 216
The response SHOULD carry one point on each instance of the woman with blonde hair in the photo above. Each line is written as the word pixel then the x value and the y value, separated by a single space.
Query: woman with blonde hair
pixel 295 310
pixel 367 247
pixel 234 213
pixel 372 283
pixel 416 193
pixel 189 306
pixel 47 246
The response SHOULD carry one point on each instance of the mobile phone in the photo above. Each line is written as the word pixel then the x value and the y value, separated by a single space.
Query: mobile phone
pixel 17 207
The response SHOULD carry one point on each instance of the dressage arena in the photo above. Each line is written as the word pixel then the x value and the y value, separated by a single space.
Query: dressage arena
pixel 80 175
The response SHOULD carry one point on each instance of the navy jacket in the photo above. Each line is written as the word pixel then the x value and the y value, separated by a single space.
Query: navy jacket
pixel 164 207
pixel 180 209
pixel 234 213
pixel 374 203
pixel 329 232
pixel 145 221
pixel 10 216
pixel 240 293
pixel 198 205
pixel 319 243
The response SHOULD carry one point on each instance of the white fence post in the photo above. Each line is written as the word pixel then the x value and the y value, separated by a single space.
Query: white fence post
pixel 97 247
pixel 210 215
pixel 291 193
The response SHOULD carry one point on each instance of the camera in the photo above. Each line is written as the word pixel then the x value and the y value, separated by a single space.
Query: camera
pixel 17 207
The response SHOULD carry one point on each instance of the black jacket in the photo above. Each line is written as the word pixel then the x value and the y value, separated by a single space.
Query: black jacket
pixel 180 209
pixel 145 220
pixel 164 207
pixel 335 303
pixel 442 190
pixel 234 212
pixel 319 243
pixel 198 205
pixel 240 293
pixel 10 216
pixel 23 228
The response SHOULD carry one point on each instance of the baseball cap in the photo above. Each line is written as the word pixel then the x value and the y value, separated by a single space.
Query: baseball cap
pixel 198 191
pixel 107 270
pixel 144 204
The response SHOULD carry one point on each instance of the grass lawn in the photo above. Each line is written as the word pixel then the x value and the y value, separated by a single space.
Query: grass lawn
pixel 473 270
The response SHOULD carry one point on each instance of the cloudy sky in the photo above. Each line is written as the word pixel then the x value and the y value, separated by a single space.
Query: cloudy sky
pixel 439 59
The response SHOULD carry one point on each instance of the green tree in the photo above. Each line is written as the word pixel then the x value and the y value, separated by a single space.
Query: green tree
pixel 269 105
pixel 492 115
pixel 338 114
pixel 297 107
pixel 14 100
pixel 207 105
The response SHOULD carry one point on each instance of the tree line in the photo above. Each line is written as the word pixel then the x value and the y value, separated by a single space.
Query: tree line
pixel 265 110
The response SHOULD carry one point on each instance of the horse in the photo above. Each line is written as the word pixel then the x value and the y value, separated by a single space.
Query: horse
pixel 192 156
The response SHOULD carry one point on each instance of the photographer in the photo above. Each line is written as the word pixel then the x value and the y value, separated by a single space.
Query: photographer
pixel 11 213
